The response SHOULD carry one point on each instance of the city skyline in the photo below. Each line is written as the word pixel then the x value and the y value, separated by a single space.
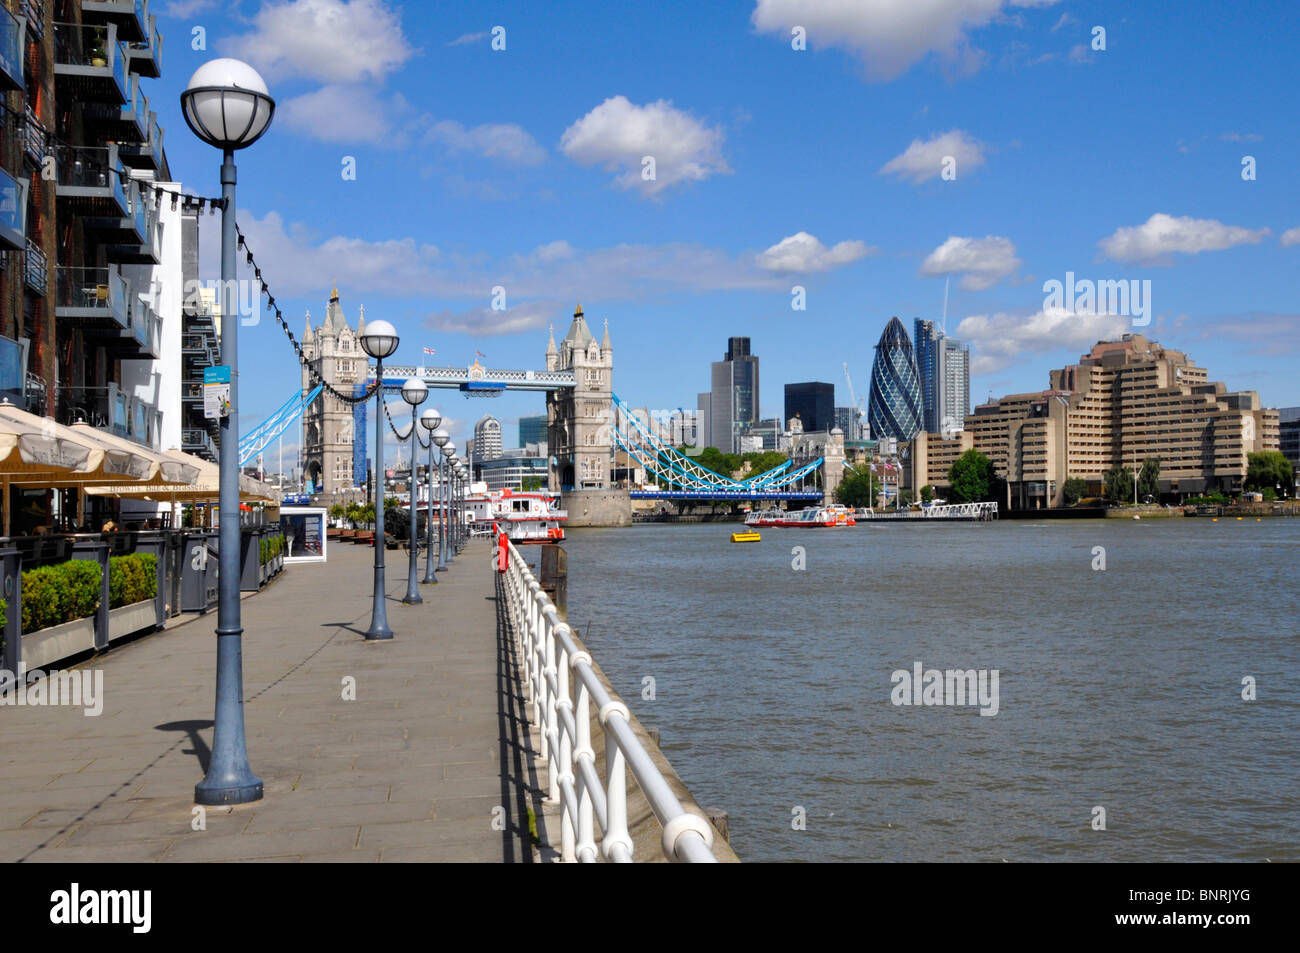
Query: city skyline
pixel 449 145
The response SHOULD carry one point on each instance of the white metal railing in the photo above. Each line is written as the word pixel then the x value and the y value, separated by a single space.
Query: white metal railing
pixel 562 687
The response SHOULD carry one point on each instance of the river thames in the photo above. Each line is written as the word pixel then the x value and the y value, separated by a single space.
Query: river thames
pixel 1119 689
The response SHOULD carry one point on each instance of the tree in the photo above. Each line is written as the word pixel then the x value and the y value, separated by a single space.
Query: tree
pixel 1269 469
pixel 353 514
pixel 390 502
pixel 857 489
pixel 1118 485
pixel 529 484
pixel 1149 479
pixel 972 478
pixel 1073 490
pixel 337 511
pixel 927 493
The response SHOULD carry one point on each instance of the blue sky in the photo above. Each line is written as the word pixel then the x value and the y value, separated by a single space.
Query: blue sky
pixel 774 167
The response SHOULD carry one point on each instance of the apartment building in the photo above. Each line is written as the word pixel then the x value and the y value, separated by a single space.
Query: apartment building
pixel 1125 402
pixel 90 257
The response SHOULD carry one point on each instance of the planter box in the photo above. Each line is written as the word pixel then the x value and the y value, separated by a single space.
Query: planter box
pixel 44 646
pixel 127 620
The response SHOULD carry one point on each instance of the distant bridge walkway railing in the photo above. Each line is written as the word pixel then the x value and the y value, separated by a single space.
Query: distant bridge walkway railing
pixel 556 669
pixel 738 495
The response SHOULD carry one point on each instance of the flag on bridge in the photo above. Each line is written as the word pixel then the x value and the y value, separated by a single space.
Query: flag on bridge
pixel 429 350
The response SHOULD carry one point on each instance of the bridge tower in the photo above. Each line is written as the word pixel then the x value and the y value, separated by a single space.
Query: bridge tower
pixel 579 426
pixel 578 420
pixel 334 352
pixel 832 465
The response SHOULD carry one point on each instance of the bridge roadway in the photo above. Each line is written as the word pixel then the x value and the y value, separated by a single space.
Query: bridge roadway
pixel 412 770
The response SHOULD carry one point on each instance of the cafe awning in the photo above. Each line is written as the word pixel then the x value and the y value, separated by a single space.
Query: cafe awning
pixel 205 487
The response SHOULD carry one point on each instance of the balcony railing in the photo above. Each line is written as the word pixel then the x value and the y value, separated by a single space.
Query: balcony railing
pixel 34 10
pixel 199 442
pixel 36 269
pixel 34 137
pixel 90 61
pixel 148 153
pixel 126 122
pixel 35 395
pixel 91 296
pixel 89 180
pixel 13 212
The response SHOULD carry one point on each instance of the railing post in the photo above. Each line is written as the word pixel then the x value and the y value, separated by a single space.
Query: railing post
pixel 549 728
pixel 565 774
pixel 11 590
pixel 616 833
pixel 97 552
pixel 586 845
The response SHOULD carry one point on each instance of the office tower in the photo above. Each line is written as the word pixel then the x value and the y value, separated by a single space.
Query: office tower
pixel 895 405
pixel 487 438
pixel 813 402
pixel 532 430
pixel 734 404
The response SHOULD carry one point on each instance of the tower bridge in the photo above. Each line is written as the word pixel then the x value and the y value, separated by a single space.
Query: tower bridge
pixel 588 426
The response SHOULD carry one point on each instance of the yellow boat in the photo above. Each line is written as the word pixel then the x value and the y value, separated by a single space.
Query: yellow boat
pixel 746 537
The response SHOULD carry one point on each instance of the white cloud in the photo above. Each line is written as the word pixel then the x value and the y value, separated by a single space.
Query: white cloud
pixel 802 253
pixel 921 161
pixel 484 322
pixel 333 41
pixel 506 142
pixel 982 261
pixel 180 9
pixel 619 134
pixel 1066 20
pixel 1240 137
pixel 1001 339
pixel 1291 237
pixel 1080 53
pixel 345 114
pixel 466 38
pixel 889 36
pixel 1161 235
pixel 297 263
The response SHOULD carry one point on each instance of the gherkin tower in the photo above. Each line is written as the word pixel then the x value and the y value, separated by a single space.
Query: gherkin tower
pixel 895 408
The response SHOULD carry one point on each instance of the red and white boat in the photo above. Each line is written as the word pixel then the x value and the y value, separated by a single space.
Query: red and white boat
pixel 527 517
pixel 828 516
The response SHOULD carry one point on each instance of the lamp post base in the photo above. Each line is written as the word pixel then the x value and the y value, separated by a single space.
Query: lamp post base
pixel 221 792
pixel 412 599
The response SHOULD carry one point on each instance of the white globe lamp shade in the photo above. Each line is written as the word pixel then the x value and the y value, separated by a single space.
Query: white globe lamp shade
pixel 380 339
pixel 441 437
pixel 227 104
pixel 430 419
pixel 414 391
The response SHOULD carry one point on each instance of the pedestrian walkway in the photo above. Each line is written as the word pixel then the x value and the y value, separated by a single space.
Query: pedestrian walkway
pixel 430 762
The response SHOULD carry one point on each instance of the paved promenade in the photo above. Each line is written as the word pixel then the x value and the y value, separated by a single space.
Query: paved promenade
pixel 433 750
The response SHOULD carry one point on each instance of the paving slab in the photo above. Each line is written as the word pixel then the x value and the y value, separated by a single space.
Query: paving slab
pixel 425 765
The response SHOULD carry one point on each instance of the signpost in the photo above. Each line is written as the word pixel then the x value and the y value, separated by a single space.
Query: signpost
pixel 216 392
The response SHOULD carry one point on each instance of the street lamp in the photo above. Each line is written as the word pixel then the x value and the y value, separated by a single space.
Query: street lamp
pixel 227 105
pixel 441 438
pixel 429 420
pixel 379 341
pixel 459 470
pixel 414 392
pixel 449 455
pixel 464 503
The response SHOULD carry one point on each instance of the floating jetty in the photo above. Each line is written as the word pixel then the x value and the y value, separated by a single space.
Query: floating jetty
pixel 979 512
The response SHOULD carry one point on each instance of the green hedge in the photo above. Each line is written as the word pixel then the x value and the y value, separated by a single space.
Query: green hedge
pixel 132 579
pixel 269 548
pixel 53 595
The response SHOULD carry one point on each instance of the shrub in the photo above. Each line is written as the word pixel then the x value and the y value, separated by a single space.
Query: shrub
pixel 132 579
pixel 56 594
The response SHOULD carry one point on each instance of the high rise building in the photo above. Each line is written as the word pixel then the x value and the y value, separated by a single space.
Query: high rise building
pixel 847 419
pixel 683 428
pixel 487 438
pixel 813 402
pixel 1125 402
pixel 704 419
pixel 532 430
pixel 943 372
pixel 734 403
pixel 1288 419
pixel 895 406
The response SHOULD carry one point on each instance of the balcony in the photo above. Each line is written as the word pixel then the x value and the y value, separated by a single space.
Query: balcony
pixel 145 57
pixel 13 34
pixel 90 63
pixel 135 239
pixel 200 443
pixel 142 342
pixel 13 212
pixel 36 273
pixel 90 181
pixel 92 298
pixel 131 17
pixel 126 122
pixel 34 138
pixel 147 154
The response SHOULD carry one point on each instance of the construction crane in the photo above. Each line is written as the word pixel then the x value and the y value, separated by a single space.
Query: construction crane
pixel 858 412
